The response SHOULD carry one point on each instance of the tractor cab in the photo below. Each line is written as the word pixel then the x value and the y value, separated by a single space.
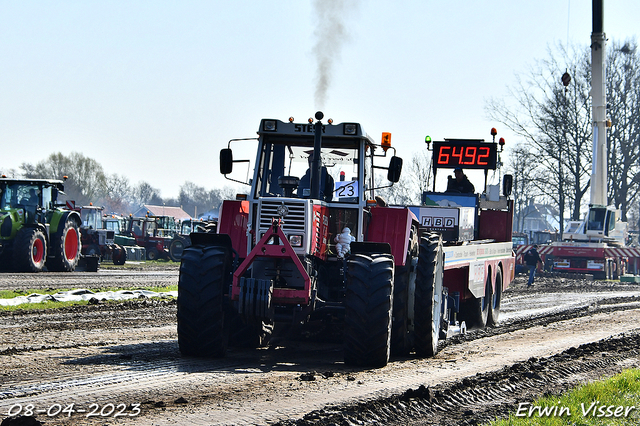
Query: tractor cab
pixel 311 177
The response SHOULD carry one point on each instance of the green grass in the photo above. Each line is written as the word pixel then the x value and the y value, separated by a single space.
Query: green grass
pixel 9 294
pixel 591 404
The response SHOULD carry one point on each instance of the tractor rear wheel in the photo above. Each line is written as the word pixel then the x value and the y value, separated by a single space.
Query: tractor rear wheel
pixel 496 299
pixel 30 250
pixel 177 246
pixel 201 303
pixel 65 247
pixel 368 309
pixel 402 337
pixel 428 297
pixel 153 253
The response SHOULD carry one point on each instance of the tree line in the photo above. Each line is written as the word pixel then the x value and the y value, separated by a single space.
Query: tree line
pixel 87 182
pixel 552 161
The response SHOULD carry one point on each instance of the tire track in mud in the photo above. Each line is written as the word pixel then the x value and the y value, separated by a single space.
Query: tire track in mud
pixel 234 390
pixel 485 397
pixel 256 387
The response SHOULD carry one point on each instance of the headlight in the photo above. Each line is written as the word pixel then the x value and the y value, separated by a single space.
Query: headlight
pixel 295 240
pixel 350 128
pixel 269 126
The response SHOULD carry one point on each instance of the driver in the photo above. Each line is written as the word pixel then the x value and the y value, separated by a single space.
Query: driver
pixel 326 183
pixel 460 183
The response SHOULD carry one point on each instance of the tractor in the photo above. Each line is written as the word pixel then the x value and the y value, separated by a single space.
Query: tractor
pixel 148 233
pixel 182 239
pixel 35 230
pixel 98 243
pixel 314 246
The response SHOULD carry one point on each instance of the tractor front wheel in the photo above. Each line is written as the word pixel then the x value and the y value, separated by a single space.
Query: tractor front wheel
pixel 65 247
pixel 368 309
pixel 204 274
pixel 30 250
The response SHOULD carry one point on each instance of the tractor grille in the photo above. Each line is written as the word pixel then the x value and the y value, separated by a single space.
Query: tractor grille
pixel 294 221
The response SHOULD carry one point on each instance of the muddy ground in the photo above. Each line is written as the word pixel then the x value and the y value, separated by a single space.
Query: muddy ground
pixel 126 354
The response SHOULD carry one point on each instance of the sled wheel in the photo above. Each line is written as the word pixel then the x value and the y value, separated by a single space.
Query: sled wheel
pixel 496 299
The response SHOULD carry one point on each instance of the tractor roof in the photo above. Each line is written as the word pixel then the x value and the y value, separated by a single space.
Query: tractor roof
pixel 341 130
pixel 56 182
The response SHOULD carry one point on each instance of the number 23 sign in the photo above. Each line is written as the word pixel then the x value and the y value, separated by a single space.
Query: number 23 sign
pixel 345 189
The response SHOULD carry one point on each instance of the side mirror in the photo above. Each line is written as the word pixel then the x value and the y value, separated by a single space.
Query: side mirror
pixel 395 169
pixel 226 161
pixel 507 185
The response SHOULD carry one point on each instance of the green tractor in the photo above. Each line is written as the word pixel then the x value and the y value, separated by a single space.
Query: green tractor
pixel 35 230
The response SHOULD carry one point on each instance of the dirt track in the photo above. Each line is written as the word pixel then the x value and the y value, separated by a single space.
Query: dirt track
pixel 127 354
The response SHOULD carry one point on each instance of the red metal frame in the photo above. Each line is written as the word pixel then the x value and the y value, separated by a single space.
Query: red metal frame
pixel 282 250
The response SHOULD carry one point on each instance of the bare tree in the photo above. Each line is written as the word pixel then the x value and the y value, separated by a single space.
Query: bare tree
pixel 555 123
pixel 144 193
pixel 623 142
pixel 523 168
pixel 85 176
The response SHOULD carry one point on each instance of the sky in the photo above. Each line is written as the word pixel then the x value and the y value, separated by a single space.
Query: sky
pixel 152 90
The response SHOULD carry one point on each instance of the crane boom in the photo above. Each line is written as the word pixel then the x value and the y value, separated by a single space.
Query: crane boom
pixel 599 105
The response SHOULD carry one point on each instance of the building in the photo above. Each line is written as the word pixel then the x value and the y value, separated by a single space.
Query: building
pixel 536 221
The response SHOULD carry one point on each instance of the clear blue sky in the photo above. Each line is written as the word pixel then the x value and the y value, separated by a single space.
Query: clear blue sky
pixel 153 90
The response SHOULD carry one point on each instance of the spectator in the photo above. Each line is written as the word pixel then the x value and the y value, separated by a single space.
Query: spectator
pixel 532 258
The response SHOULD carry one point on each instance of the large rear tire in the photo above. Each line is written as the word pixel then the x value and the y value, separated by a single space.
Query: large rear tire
pixel 177 246
pixel 402 337
pixel 65 247
pixel 496 300
pixel 29 250
pixel 368 309
pixel 428 298
pixel 204 273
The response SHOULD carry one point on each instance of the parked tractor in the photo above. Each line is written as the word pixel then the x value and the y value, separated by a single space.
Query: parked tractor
pixel 35 230
pixel 182 239
pixel 148 234
pixel 309 244
pixel 98 243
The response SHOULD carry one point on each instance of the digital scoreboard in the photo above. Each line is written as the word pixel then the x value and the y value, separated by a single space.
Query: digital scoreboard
pixel 466 154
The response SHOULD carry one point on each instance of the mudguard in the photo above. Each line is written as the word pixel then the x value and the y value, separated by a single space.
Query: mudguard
pixel 393 226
